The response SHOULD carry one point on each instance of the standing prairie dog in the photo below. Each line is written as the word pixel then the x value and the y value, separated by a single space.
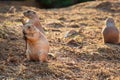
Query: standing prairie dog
pixel 110 32
pixel 37 43
pixel 34 19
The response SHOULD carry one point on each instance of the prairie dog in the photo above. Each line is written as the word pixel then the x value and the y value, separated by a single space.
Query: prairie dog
pixel 34 19
pixel 37 43
pixel 110 32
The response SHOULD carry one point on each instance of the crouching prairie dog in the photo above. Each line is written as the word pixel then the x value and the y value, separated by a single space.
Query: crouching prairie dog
pixel 110 32
pixel 34 19
pixel 37 43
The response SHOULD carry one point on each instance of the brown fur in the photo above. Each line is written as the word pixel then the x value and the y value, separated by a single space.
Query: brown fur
pixel 110 32
pixel 34 19
pixel 37 43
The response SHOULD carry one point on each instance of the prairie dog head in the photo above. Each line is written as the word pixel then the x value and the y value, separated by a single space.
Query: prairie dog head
pixel 30 14
pixel 110 22
pixel 29 29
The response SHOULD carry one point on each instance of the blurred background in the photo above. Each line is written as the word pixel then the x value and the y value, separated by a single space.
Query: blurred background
pixel 73 29
pixel 49 3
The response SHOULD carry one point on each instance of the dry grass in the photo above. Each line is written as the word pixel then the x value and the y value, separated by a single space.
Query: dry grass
pixel 79 57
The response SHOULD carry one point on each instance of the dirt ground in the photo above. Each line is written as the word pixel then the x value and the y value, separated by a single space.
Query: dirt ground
pixel 79 57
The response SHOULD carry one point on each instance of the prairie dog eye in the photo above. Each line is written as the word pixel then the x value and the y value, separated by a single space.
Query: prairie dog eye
pixel 28 11
pixel 34 13
pixel 29 27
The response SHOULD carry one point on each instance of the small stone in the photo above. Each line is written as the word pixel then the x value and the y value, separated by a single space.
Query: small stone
pixel 51 55
pixel 70 33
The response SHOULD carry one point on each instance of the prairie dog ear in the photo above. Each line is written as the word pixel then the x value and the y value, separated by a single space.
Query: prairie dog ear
pixel 30 11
